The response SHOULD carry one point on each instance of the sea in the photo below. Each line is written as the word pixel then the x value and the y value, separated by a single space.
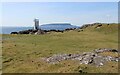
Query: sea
pixel 8 30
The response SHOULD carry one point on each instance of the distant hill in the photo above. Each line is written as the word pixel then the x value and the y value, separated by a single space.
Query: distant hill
pixel 57 26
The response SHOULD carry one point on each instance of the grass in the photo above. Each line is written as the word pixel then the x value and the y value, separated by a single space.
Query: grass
pixel 23 53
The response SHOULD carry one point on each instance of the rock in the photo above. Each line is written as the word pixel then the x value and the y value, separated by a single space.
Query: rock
pixel 14 33
pixel 98 61
pixel 88 25
pixel 80 30
pixel 85 58
pixel 31 33
pixel 98 26
pixel 80 71
pixel 10 59
pixel 36 33
pixel 114 50
pixel 23 32
pixel 78 58
pixel 69 54
pixel 40 32
pixel 100 50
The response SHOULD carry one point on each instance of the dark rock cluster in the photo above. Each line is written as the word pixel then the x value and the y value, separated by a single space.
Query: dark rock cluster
pixel 29 31
pixel 85 58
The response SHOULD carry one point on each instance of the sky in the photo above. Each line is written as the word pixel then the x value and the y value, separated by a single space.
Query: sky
pixel 76 13
pixel 59 0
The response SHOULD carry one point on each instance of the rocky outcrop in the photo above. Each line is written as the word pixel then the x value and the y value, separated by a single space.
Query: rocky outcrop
pixel 85 58
pixel 98 26
pixel 14 33
pixel 88 25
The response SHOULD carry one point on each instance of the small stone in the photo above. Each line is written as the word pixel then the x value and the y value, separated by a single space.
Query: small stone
pixel 112 66
pixel 80 71
pixel 69 55
pixel 38 64
pixel 101 64
pixel 85 67
pixel 68 65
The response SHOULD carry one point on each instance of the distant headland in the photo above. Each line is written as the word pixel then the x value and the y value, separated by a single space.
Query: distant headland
pixel 57 27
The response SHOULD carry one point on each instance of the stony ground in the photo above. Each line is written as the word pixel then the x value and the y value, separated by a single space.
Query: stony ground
pixel 85 58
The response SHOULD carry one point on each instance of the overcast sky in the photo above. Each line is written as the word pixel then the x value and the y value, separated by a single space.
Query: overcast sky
pixel 76 13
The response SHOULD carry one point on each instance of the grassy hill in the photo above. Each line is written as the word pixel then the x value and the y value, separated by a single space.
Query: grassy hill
pixel 23 53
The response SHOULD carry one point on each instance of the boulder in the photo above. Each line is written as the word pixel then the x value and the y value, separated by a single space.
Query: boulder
pixel 14 33
pixel 40 32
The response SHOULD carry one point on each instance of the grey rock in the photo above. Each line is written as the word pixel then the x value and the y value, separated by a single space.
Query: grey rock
pixel 85 58
pixel 98 61
pixel 100 50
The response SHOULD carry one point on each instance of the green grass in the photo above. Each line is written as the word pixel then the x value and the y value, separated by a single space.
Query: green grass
pixel 26 51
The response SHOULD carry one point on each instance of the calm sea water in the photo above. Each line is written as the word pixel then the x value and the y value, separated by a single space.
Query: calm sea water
pixel 8 30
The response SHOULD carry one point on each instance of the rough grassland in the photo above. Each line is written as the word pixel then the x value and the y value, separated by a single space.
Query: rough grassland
pixel 23 53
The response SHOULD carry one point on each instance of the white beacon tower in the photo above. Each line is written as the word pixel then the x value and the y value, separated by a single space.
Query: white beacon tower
pixel 36 22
